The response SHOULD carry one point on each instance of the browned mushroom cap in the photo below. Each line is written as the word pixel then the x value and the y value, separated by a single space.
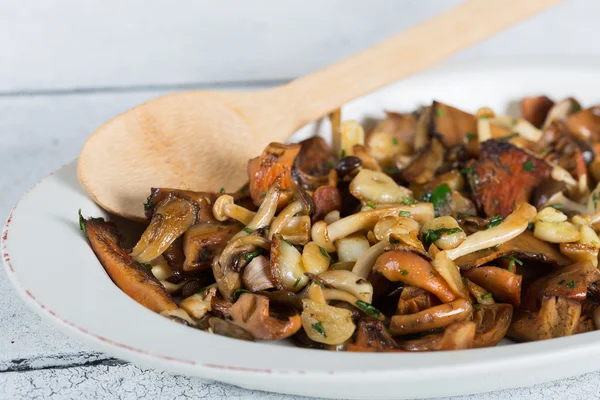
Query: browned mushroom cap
pixel 133 279
pixel 371 336
pixel 585 124
pixel 313 163
pixel 451 124
pixel 432 318
pixel 426 162
pixel 411 269
pixel 203 242
pixel 525 246
pixel 326 199
pixel 492 322
pixel 557 317
pixel 275 162
pixel 457 336
pixel 204 199
pixel 535 109
pixel 301 204
pixel 503 284
pixel 570 282
pixel 251 312
pixel 174 255
pixel 227 328
pixel 561 110
pixel 171 218
pixel 413 300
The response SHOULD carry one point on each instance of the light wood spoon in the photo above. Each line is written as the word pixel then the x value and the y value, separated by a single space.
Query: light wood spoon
pixel 204 139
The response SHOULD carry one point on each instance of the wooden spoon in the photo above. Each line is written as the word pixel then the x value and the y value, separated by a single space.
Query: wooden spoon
pixel 203 140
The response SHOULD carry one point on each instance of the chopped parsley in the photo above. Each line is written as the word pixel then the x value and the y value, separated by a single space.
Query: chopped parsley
pixel 252 255
pixel 222 190
pixel 319 328
pixel 432 235
pixel 511 263
pixel 475 306
pixel 557 206
pixel 404 272
pixel 440 196
pixel 329 164
pixel 371 204
pixel 325 253
pixel 395 141
pixel 367 308
pixel 392 170
pixel 262 196
pixel 575 107
pixel 571 284
pixel 470 136
pixel 343 153
pixel 530 226
pixel 496 202
pixel 544 151
pixel 148 204
pixel 405 214
pixel 439 111
pixel 495 221
pixel 528 166
pixel 248 230
pixel 407 201
pixel 286 241
pixel 509 137
pixel 464 281
pixel 82 224
pixel 238 293
pixel 486 295
pixel 297 282
pixel 485 116
pixel 466 171
pixel 146 265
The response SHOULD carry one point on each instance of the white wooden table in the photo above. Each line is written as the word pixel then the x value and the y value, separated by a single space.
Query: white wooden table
pixel 67 66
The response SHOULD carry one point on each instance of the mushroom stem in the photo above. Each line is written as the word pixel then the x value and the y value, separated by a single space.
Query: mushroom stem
pixel 284 217
pixel 225 208
pixel 364 264
pixel 432 318
pixel 265 213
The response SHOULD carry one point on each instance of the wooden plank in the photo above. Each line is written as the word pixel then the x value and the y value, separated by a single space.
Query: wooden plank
pixel 74 44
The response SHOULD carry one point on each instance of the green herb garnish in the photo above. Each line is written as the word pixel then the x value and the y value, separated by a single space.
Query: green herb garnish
pixel 528 166
pixel 571 284
pixel 252 255
pixel 557 206
pixel 496 202
pixel 297 282
pixel 530 226
pixel 248 230
pixel 148 204
pixel 439 111
pixel 371 204
pixel 405 214
pixel 238 293
pixel 509 137
pixel 440 196
pixel 407 201
pixel 495 221
pixel 285 240
pixel 464 281
pixel 404 272
pixel 369 309
pixel 511 263
pixel 392 170
pixel 395 141
pixel 470 136
pixel 486 295
pixel 319 328
pixel 476 306
pixel 575 107
pixel 432 235
pixel 222 190
pixel 544 151
pixel 343 153
pixel 466 171
pixel 82 224
pixel 329 164
pixel 146 265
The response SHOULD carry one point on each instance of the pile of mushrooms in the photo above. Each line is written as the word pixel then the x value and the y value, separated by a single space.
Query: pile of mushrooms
pixel 435 230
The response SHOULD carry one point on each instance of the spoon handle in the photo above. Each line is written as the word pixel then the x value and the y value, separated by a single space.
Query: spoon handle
pixel 413 50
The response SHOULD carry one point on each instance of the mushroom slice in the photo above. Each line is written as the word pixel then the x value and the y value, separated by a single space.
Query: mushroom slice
pixel 378 188
pixel 313 163
pixel 364 264
pixel 492 321
pixel 450 272
pixel 171 218
pixel 297 230
pixel 451 124
pixel 349 282
pixel 222 327
pixel 585 124
pixel 326 324
pixel 251 312
pixel 395 134
pixel 326 200
pixel 457 336
pixel 351 247
pixel 132 278
pixel 205 201
pixel 425 163
pixel 524 246
pixel 504 285
pixel 302 204
pixel 198 304
pixel 315 259
pixel 570 282
pixel 286 266
pixel 275 162
pixel 412 269
pixel 432 318
pixel 366 159
pixel 371 336
pixel 257 275
pixel 514 225
pixel 413 300
pixel 505 176
pixel 535 109
pixel 203 242
pixel 561 110
pixel 557 317
pixel 580 252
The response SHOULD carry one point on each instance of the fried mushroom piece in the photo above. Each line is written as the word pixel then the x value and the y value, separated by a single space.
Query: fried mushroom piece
pixel 457 336
pixel 451 124
pixel 251 312
pixel 313 163
pixel 131 277
pixel 535 109
pixel 326 199
pixel 425 164
pixel 432 318
pixel 504 285
pixel 371 336
pixel 505 176
pixel 203 241
pixel 274 163
pixel 492 321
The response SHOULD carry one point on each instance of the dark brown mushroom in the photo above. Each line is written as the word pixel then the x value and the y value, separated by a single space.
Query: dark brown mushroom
pixel 132 278
pixel 585 124
pixel 525 246
pixel 251 312
pixel 432 318
pixel 457 336
pixel 274 163
pixel 326 199
pixel 174 255
pixel 535 109
pixel 425 163
pixel 413 300
pixel 313 163
pixel 371 336
pixel 492 321
pixel 504 285
pixel 227 328
pixel 204 241
pixel 452 125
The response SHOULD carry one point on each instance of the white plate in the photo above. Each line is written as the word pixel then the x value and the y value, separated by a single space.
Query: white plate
pixel 55 271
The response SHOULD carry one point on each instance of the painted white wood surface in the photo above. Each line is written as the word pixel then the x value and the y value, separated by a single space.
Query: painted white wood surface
pixel 79 44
